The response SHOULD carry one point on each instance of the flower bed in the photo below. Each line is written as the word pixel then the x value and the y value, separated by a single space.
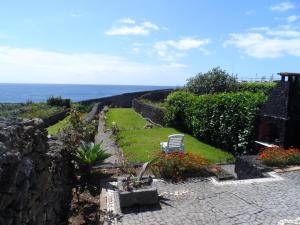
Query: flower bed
pixel 176 166
pixel 280 156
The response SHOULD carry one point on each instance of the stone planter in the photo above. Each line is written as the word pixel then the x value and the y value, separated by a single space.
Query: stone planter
pixel 248 167
pixel 137 192
pixel 140 197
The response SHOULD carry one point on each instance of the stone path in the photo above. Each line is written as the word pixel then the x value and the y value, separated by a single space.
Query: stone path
pixel 202 202
pixel 107 143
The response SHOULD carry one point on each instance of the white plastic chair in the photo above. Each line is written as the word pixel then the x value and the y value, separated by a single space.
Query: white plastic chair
pixel 175 143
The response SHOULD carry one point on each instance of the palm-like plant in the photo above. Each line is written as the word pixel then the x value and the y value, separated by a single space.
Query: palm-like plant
pixel 89 154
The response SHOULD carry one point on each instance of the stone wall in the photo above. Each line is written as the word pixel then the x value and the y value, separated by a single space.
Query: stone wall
pixel 277 103
pixel 149 111
pixel 123 100
pixel 53 119
pixel 35 177
pixel 157 96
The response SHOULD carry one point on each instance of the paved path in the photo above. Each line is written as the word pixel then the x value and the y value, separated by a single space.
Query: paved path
pixel 201 202
pixel 107 143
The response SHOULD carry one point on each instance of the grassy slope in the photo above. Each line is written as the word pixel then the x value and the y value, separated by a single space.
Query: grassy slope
pixel 126 119
pixel 54 129
pixel 39 110
pixel 28 110
pixel 141 144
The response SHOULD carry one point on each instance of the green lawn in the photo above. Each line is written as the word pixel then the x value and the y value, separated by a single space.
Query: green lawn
pixel 140 145
pixel 126 119
pixel 54 129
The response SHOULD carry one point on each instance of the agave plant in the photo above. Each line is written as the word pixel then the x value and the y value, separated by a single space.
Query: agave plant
pixel 89 154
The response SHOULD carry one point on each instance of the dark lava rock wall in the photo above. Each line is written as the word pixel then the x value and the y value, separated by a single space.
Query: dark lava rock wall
pixel 35 177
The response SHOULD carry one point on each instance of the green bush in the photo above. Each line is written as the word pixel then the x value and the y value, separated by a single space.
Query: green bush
pixel 264 87
pixel 83 108
pixel 90 154
pixel 77 130
pixel 224 120
pixel 59 101
pixel 214 81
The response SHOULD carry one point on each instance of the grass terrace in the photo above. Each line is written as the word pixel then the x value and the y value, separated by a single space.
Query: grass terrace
pixel 28 110
pixel 54 129
pixel 140 145
pixel 126 119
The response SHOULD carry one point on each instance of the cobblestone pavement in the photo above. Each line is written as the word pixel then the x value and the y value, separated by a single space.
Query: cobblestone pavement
pixel 201 202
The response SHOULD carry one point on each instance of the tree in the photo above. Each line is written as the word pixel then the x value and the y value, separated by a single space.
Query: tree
pixel 214 81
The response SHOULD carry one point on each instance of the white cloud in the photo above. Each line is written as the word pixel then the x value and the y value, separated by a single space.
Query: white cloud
pixel 188 43
pixel 283 6
pixel 135 50
pixel 38 66
pixel 265 42
pixel 282 31
pixel 172 50
pixel 132 28
pixel 125 30
pixel 127 21
pixel 292 18
pixel 150 25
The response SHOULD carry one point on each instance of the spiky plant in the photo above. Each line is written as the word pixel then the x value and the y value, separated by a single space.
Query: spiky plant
pixel 89 154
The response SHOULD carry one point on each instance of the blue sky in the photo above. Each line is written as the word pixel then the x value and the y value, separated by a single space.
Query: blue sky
pixel 150 42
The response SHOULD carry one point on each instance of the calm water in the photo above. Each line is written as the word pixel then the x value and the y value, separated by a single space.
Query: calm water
pixel 17 93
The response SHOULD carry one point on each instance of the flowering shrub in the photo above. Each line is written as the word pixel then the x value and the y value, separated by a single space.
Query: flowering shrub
pixel 175 165
pixel 77 131
pixel 280 156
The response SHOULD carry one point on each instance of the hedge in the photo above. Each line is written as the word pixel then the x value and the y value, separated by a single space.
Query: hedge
pixel 264 87
pixel 224 120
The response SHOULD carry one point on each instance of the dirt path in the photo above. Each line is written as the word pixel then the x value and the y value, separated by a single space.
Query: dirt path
pixel 107 143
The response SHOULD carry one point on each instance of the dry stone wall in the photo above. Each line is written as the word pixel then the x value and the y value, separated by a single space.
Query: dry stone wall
pixel 35 176
pixel 155 114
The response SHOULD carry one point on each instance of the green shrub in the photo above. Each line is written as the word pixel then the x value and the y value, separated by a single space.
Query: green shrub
pixel 77 130
pixel 58 101
pixel 224 120
pixel 214 81
pixel 264 87
pixel 83 108
pixel 90 154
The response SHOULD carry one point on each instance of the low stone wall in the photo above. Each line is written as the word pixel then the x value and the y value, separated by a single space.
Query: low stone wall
pixel 157 95
pixel 155 114
pixel 35 177
pixel 123 100
pixel 53 119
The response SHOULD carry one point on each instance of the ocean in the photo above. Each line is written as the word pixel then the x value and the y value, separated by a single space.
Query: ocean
pixel 18 93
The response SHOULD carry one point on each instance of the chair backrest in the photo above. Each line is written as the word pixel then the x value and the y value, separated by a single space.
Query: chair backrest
pixel 175 140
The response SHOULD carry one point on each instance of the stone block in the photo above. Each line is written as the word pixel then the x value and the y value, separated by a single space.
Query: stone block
pixel 138 197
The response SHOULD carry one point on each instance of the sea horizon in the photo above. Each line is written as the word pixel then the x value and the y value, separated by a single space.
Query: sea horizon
pixel 38 92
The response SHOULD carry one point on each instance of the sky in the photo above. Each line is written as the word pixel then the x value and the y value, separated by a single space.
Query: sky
pixel 146 42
